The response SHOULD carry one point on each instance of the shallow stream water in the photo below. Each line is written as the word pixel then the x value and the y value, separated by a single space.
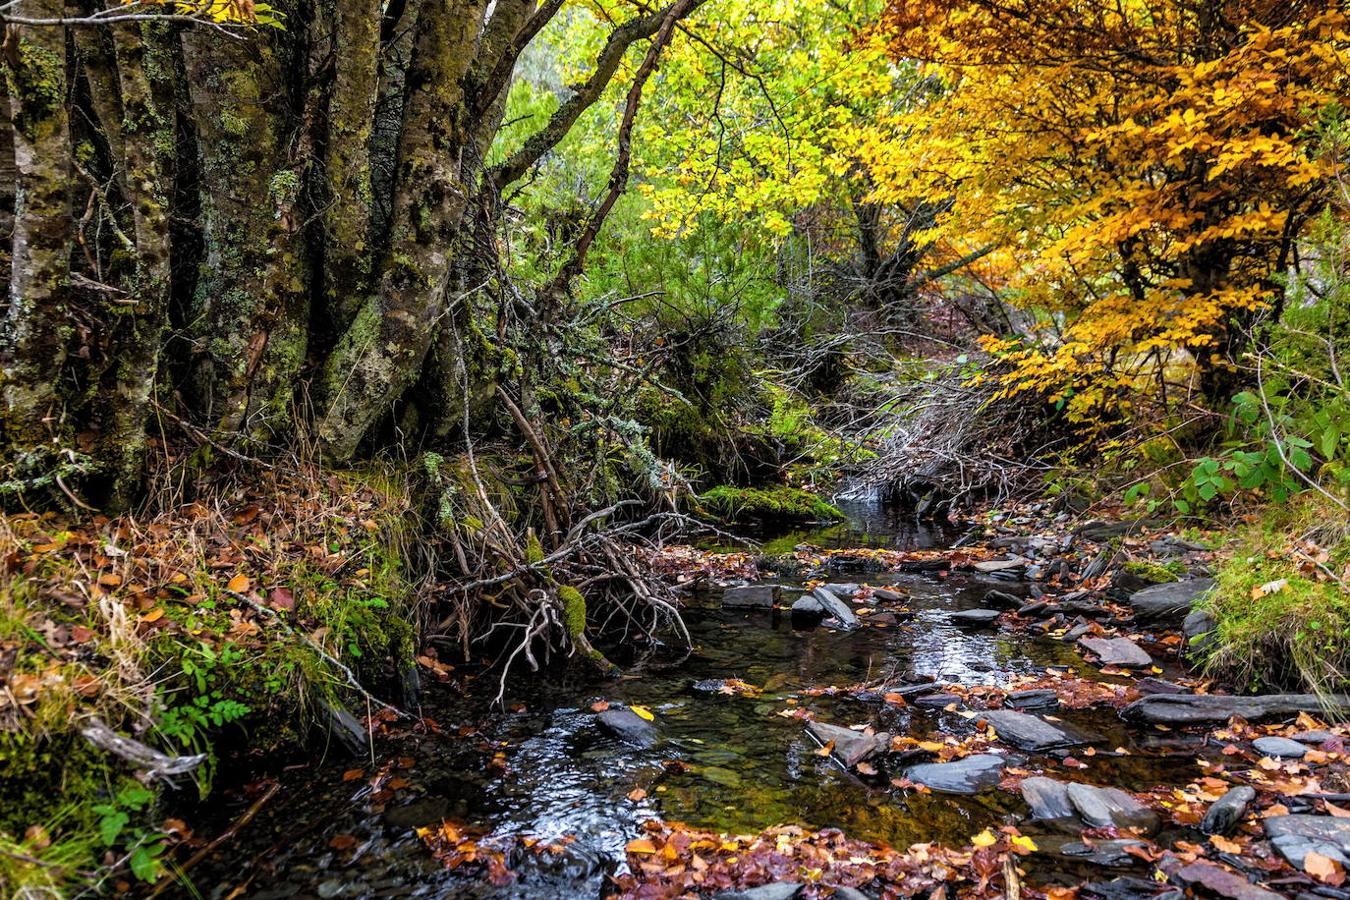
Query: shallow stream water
pixel 543 768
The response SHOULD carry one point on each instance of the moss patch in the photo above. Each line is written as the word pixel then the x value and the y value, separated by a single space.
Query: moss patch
pixel 1280 622
pixel 768 503
pixel 1158 573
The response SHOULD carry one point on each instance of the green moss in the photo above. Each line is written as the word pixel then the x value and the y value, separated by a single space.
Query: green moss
pixel 774 502
pixel 1158 573
pixel 574 609
pixel 534 551
pixel 1278 625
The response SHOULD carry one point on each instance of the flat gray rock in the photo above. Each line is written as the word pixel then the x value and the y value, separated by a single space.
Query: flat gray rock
pixel 961 776
pixel 889 596
pixel 1028 732
pixel 850 747
pixel 807 606
pixel 1036 698
pixel 1197 627
pixel 1223 882
pixel 1002 600
pixel 1117 651
pixel 1215 709
pixel 1101 807
pixel 1297 836
pixel 990 566
pixel 845 591
pixel 629 727
pixel 751 596
pixel 975 618
pixel 1102 853
pixel 1048 798
pixel 1169 602
pixel 1225 813
pixel 1280 747
pixel 1315 737
pixel 835 608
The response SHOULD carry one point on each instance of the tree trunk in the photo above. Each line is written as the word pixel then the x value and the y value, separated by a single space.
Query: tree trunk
pixel 37 324
pixel 381 353
pixel 250 315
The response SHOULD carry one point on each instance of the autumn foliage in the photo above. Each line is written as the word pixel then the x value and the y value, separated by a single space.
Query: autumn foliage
pixel 1147 170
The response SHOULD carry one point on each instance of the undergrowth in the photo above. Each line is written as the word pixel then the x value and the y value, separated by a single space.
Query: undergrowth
pixel 773 502
pixel 1282 603
pixel 176 631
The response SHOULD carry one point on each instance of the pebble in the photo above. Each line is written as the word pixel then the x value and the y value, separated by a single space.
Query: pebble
pixel 1280 747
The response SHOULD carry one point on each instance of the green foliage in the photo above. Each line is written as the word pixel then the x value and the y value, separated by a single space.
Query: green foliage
pixel 1158 573
pixel 769 503
pixel 1281 621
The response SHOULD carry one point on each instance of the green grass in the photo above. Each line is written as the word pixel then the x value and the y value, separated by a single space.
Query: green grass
pixel 1282 621
pixel 769 503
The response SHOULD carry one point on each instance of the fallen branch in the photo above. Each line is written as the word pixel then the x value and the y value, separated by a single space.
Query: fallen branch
pixel 156 764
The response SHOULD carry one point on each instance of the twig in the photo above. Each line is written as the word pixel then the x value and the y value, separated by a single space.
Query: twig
pixel 239 823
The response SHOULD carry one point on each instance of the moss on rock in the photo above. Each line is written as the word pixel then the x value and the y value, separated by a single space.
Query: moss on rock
pixel 768 503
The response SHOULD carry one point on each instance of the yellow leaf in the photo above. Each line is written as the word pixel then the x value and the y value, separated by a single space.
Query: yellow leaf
pixel 643 711
pixel 985 838
pixel 1024 843
pixel 640 845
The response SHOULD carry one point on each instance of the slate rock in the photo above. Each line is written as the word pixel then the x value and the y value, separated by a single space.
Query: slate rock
pixel 1100 532
pixel 1298 835
pixel 975 618
pixel 1126 888
pixel 1223 882
pixel 1076 632
pixel 1197 626
pixel 1038 698
pixel 991 566
pixel 938 700
pixel 846 591
pixel 961 776
pixel 1048 799
pixel 1117 651
pixel 1002 600
pixel 1036 607
pixel 807 608
pixel 750 596
pixel 1100 807
pixel 835 608
pixel 850 747
pixel 1315 737
pixel 782 890
pixel 1279 747
pixel 1225 813
pixel 1169 602
pixel 1028 732
pixel 1102 853
pixel 629 727
pixel 1150 685
pixel 1215 709
pixel 886 595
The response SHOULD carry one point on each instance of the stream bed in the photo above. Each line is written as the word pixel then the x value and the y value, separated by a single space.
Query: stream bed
pixel 734 763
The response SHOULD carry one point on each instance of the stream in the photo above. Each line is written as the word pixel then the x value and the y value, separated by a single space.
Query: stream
pixel 727 762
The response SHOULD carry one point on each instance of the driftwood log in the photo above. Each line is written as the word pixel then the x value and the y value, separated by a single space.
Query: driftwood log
pixel 154 763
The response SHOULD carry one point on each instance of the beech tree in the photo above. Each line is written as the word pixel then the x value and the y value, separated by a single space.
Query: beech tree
pixel 260 236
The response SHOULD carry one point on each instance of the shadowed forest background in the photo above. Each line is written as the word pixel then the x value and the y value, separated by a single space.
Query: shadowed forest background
pixel 355 349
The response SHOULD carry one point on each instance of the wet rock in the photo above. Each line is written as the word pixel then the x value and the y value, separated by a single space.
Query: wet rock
pixel 1151 685
pixel 848 893
pixel 938 701
pixel 1225 813
pixel 1169 602
pixel 1096 568
pixel 1117 652
pixel 1315 737
pixel 850 747
pixel 1076 632
pixel 1100 532
pixel 1048 799
pixel 423 811
pixel 782 890
pixel 1039 698
pixel 1298 835
pixel 1106 807
pixel 1215 709
pixel 1036 607
pixel 629 727
pixel 806 610
pixel 991 566
pixel 1223 882
pixel 1127 888
pixel 1102 853
pixel 923 565
pixel 1002 600
pixel 975 618
pixel 962 776
pixel 887 595
pixel 1280 747
pixel 1197 625
pixel 751 596
pixel 846 591
pixel 1028 732
pixel 835 608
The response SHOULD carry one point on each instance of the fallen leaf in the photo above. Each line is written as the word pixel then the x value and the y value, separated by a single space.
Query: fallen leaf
pixel 239 583
pixel 985 838
pixel 1224 845
pixel 640 845
pixel 643 712
pixel 637 795
pixel 1323 868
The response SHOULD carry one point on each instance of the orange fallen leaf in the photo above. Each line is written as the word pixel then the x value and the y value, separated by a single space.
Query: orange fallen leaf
pixel 1323 868
pixel 239 583
pixel 640 845
pixel 1224 845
